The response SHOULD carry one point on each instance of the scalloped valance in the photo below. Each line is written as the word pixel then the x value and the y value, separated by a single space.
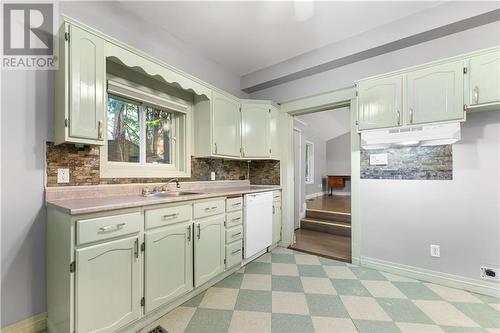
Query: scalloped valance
pixel 155 69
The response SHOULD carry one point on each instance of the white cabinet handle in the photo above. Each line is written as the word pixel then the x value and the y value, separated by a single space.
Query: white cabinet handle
pixel 113 227
pixel 189 234
pixel 236 234
pixel 236 219
pixel 399 117
pixel 136 248
pixel 170 216
pixel 199 231
pixel 236 251
pixel 215 147
pixel 210 208
pixel 237 204
pixel 411 116
pixel 476 94
pixel 99 129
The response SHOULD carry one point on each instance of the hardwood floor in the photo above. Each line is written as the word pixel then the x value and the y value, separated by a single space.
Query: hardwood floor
pixel 321 232
pixel 334 203
pixel 323 244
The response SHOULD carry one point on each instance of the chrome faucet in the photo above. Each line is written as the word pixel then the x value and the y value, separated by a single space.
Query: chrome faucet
pixel 164 188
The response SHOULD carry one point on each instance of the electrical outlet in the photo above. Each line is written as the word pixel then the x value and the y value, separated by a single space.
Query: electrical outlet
pixel 63 176
pixel 435 251
pixel 212 175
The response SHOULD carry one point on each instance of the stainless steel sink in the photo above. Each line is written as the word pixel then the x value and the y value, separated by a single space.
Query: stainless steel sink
pixel 170 194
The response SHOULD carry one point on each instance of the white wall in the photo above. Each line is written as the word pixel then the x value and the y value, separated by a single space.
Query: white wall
pixel 26 123
pixel 319 160
pixel 338 155
pixel 400 219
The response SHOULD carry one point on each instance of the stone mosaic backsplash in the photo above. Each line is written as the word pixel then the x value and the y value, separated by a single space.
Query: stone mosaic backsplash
pixel 83 165
pixel 420 163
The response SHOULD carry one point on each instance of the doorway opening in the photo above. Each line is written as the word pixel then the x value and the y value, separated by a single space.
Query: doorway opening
pixel 322 164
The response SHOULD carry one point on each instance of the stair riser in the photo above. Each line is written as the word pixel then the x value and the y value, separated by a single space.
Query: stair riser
pixel 331 229
pixel 328 216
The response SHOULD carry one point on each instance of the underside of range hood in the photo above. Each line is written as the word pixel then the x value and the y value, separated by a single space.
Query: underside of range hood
pixel 423 135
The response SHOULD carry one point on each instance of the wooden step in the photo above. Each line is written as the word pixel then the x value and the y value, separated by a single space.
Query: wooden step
pixel 340 228
pixel 318 214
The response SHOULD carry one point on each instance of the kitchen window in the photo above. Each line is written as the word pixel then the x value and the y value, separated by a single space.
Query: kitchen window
pixel 309 164
pixel 146 136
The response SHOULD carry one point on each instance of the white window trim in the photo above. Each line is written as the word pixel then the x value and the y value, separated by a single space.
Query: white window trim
pixel 109 169
pixel 309 181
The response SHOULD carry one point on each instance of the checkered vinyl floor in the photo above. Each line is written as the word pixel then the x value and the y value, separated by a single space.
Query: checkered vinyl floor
pixel 289 291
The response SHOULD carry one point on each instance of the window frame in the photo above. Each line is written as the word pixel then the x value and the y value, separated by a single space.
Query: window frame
pixel 309 163
pixel 181 160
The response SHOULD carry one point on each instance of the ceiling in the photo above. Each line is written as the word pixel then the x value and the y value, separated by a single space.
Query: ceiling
pixel 329 124
pixel 247 36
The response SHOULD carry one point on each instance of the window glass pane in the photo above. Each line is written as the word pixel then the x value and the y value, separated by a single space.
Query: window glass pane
pixel 124 131
pixel 159 136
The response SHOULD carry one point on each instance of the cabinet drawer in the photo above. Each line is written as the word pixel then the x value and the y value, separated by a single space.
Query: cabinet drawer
pixel 208 208
pixel 234 218
pixel 234 234
pixel 233 254
pixel 168 215
pixel 234 204
pixel 93 230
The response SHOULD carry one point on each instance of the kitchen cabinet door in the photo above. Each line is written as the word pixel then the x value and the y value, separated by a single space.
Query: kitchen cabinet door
pixel 274 132
pixel 209 248
pixel 435 94
pixel 276 223
pixel 87 75
pixel 484 78
pixel 107 285
pixel 255 130
pixel 380 103
pixel 226 124
pixel 168 264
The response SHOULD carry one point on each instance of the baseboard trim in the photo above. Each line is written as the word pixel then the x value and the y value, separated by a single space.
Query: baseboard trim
pixel 33 324
pixel 314 195
pixel 340 193
pixel 449 280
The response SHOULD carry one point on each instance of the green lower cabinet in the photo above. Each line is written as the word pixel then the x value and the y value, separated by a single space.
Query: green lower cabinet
pixel 168 264
pixel 233 254
pixel 107 286
pixel 208 248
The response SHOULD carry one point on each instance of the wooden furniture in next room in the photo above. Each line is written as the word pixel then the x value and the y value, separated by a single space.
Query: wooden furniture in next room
pixel 336 182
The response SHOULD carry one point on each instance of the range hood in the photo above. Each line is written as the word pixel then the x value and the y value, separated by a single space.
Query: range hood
pixel 423 135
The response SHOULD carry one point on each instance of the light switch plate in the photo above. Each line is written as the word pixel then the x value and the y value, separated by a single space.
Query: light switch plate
pixel 62 176
pixel 435 251
pixel 212 175
pixel 378 159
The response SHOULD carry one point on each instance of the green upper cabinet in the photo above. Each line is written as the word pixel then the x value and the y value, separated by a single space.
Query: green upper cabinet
pixel 274 132
pixel 255 139
pixel 209 248
pixel 168 264
pixel 484 79
pixel 380 103
pixel 226 125
pixel 435 94
pixel 107 286
pixel 80 88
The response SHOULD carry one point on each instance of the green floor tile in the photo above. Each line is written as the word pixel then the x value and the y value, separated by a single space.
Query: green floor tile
pixel 330 262
pixel 326 306
pixel 311 270
pixel 416 291
pixel 288 323
pixel 367 273
pixel 453 329
pixel 258 268
pixel 283 258
pixel 254 300
pixel 208 320
pixel 195 301
pixel 349 287
pixel 286 283
pixel 232 281
pixel 373 326
pixel 403 310
pixel 482 314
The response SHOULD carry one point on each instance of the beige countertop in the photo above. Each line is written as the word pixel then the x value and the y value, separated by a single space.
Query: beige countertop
pixel 85 205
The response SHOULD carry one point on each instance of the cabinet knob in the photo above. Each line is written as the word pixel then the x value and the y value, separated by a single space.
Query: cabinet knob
pixel 99 129
pixel 476 94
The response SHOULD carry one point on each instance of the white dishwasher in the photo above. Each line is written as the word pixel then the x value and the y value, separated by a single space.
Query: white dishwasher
pixel 257 222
